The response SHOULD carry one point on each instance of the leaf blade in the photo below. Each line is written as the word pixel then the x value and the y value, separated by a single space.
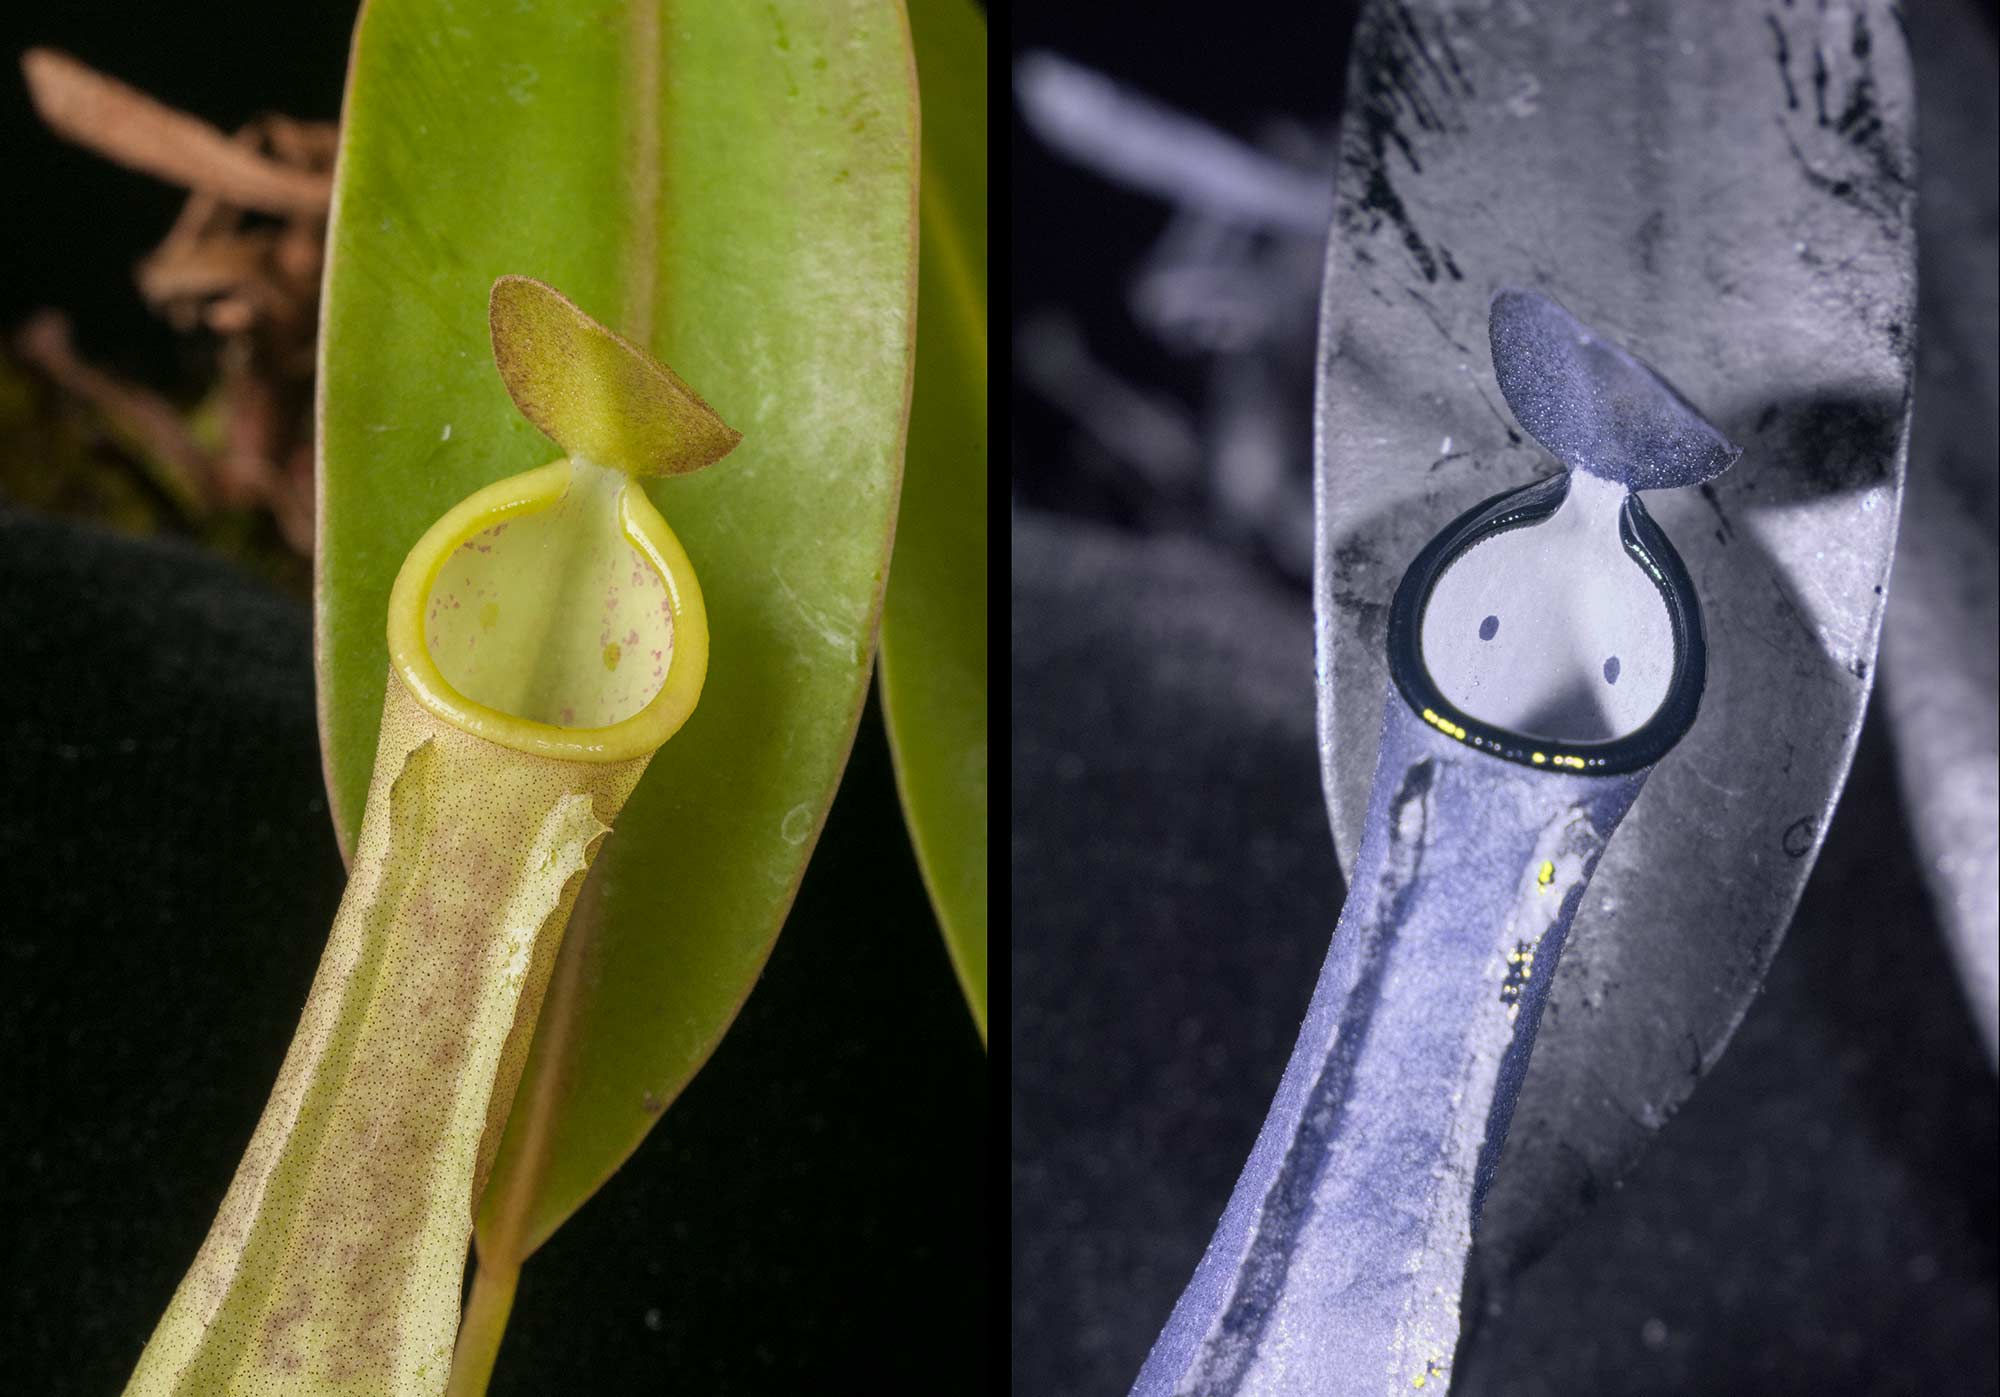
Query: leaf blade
pixel 934 640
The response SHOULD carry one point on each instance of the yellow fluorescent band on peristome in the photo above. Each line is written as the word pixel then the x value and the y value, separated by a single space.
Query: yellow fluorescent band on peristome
pixel 1546 874
pixel 1451 729
pixel 645 530
pixel 1444 725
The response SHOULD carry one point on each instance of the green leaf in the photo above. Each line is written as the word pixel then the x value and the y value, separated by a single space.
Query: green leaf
pixel 934 623
pixel 731 187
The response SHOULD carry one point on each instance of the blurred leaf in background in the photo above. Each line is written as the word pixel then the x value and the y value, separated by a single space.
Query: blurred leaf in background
pixel 934 621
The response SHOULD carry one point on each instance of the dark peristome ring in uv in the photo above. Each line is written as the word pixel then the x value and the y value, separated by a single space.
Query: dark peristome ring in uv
pixel 1649 549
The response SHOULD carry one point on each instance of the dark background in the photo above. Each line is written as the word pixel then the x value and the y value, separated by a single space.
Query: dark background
pixel 76 223
pixel 1819 1218
pixel 808 1217
pixel 1076 238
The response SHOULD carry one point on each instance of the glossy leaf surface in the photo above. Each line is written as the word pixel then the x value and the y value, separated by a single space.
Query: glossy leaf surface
pixel 934 621
pixel 732 188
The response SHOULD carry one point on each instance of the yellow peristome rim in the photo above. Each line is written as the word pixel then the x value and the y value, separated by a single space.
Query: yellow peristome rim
pixel 538 489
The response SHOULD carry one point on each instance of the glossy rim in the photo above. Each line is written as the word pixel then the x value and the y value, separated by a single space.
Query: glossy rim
pixel 1648 547
pixel 645 530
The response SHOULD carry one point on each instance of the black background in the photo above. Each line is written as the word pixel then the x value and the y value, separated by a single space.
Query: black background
pixel 1075 239
pixel 808 1217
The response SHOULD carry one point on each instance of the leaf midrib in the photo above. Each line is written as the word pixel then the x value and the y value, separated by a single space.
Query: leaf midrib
pixel 506 1244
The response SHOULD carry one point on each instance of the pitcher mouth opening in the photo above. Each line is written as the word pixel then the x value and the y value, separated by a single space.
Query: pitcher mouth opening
pixel 1635 743
pixel 554 613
